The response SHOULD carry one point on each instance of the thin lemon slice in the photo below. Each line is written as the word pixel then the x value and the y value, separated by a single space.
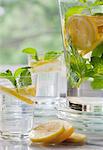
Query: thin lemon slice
pixel 92 47
pixel 16 94
pixel 46 132
pixel 29 91
pixel 66 134
pixel 46 66
pixel 97 19
pixel 83 32
pixel 77 138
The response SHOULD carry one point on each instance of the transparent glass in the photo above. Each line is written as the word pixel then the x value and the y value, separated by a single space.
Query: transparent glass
pixel 50 85
pixel 82 32
pixel 16 110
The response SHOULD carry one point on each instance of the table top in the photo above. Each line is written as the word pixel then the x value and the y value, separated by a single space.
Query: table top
pixel 12 145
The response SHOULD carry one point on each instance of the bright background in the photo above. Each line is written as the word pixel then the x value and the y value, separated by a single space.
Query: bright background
pixel 28 23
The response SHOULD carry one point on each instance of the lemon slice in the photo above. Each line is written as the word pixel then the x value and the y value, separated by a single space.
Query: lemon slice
pixel 13 92
pixel 66 134
pixel 83 32
pixel 47 132
pixel 46 66
pixel 77 138
pixel 29 91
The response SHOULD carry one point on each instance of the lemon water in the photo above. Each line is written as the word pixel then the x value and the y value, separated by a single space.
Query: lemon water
pixel 82 32
pixel 16 118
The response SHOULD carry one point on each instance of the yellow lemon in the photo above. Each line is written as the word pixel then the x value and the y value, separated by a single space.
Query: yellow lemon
pixel 83 32
pixel 13 92
pixel 29 90
pixel 77 138
pixel 46 132
pixel 46 66
pixel 65 135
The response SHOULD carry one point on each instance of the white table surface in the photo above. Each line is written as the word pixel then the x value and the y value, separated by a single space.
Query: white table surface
pixel 11 145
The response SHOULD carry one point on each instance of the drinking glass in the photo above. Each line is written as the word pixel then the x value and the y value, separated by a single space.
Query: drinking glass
pixel 50 85
pixel 82 32
pixel 16 109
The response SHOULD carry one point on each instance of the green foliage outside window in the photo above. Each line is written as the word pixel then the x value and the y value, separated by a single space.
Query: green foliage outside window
pixel 28 23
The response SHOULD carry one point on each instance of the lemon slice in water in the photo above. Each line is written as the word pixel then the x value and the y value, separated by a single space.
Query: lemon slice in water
pixel 46 66
pixel 13 92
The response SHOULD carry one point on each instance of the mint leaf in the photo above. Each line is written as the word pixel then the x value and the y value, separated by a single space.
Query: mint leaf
pixel 25 78
pixel 32 52
pixel 97 83
pixel 52 55
pixel 98 51
pixel 74 10
pixel 98 2
pixel 97 63
pixel 9 76
pixel 19 71
pixel 83 1
pixel 77 69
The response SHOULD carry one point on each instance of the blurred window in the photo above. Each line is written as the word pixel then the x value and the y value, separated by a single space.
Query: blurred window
pixel 28 23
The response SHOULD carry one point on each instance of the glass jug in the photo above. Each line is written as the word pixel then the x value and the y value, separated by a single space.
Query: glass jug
pixel 82 32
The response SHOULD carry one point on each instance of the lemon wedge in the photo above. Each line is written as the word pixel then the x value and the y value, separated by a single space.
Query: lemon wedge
pixel 77 138
pixel 47 132
pixel 13 92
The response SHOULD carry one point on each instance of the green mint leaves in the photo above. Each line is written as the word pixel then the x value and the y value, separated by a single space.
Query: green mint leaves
pixel 97 64
pixel 97 82
pixel 83 1
pixel 84 5
pixel 47 56
pixel 74 10
pixel 98 2
pixel 32 52
pixel 52 55
pixel 9 76
pixel 98 51
pixel 82 69
pixel 20 78
pixel 25 78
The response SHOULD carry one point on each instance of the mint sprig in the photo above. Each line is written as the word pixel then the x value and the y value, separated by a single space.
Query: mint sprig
pixel 81 69
pixel 9 76
pixel 25 78
pixel 32 52
pixel 20 78
pixel 50 55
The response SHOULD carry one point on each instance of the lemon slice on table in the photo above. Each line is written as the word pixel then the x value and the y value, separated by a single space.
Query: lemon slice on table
pixel 47 132
pixel 66 134
pixel 13 92
pixel 46 65
pixel 77 138
pixel 83 32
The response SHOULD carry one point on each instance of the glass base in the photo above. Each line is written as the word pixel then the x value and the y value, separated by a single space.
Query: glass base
pixel 84 114
pixel 14 136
